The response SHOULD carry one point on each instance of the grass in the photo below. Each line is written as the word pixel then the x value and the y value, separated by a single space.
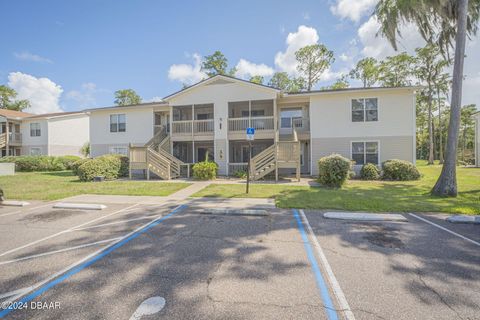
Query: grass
pixel 62 184
pixel 373 196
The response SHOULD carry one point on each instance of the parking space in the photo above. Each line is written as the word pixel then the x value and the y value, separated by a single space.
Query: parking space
pixel 285 265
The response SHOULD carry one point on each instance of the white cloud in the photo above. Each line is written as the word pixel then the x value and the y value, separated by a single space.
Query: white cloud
pixel 246 69
pixel 42 93
pixel 379 47
pixel 27 56
pixel 155 99
pixel 286 61
pixel 353 9
pixel 85 96
pixel 187 73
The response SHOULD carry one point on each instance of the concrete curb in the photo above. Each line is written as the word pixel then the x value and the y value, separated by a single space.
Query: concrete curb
pixel 460 218
pixel 236 212
pixel 13 203
pixel 80 206
pixel 362 216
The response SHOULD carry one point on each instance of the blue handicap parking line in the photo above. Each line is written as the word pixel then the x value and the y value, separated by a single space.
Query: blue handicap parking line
pixel 321 284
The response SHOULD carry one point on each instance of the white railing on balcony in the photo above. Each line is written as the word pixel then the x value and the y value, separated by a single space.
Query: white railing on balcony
pixel 301 124
pixel 14 137
pixel 259 123
pixel 182 127
pixel 199 126
pixel 203 126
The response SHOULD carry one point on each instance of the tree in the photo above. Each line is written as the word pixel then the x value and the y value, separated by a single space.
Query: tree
pixel 396 71
pixel 341 83
pixel 366 71
pixel 127 97
pixel 429 64
pixel 446 23
pixel 282 81
pixel 8 101
pixel 468 126
pixel 216 63
pixel 441 86
pixel 257 79
pixel 313 60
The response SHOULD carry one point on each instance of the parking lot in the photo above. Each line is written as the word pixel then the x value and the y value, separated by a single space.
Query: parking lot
pixel 280 264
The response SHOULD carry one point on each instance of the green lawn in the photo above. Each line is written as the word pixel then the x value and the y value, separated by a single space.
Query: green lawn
pixel 58 185
pixel 376 196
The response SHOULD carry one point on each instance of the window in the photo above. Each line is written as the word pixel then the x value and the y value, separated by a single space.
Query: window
pixel 118 123
pixel 35 130
pixel 365 110
pixel 365 152
pixel 35 151
pixel 119 150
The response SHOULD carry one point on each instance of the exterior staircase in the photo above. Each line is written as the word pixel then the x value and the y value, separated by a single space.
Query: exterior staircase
pixel 155 156
pixel 284 153
pixel 3 140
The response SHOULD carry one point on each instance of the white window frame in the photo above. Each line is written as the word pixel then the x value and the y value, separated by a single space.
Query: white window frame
pixel 114 150
pixel 117 123
pixel 365 151
pixel 38 131
pixel 364 110
pixel 39 153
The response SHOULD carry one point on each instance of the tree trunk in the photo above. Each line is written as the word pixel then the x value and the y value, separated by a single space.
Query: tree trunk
pixel 440 130
pixel 447 182
pixel 430 129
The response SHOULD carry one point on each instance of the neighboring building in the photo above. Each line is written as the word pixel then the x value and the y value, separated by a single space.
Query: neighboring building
pixel 477 138
pixel 292 130
pixel 53 134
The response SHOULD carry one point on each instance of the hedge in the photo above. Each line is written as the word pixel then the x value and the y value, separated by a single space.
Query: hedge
pixel 400 170
pixel 333 170
pixel 369 171
pixel 40 163
pixel 110 166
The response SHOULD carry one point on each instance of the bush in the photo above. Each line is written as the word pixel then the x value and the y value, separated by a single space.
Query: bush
pixel 110 166
pixel 68 161
pixel 205 170
pixel 77 164
pixel 36 163
pixel 241 174
pixel 333 170
pixel 400 170
pixel 369 171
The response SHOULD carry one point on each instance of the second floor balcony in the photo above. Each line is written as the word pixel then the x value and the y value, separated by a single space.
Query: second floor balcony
pixel 193 121
pixel 14 138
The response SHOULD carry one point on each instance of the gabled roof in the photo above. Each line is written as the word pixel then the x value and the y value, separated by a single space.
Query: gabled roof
pixel 219 77
pixel 12 114
pixel 54 115
pixel 140 105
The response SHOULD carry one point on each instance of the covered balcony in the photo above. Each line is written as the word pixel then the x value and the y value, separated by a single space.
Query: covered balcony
pixel 258 114
pixel 192 122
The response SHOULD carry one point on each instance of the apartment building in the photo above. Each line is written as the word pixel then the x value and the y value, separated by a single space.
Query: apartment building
pixel 476 116
pixel 53 134
pixel 292 131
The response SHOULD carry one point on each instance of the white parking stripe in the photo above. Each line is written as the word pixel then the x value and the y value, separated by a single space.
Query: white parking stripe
pixel 337 290
pixel 58 251
pixel 64 231
pixel 445 229
pixel 12 293
pixel 116 222
pixel 28 209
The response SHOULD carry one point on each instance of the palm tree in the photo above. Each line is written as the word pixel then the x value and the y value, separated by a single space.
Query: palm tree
pixel 446 23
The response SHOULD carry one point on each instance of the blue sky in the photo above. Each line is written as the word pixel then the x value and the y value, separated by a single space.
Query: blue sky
pixel 71 55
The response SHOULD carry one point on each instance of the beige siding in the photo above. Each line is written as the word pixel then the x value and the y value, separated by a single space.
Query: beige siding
pixel 397 147
pixel 97 150
pixel 26 149
pixel 220 145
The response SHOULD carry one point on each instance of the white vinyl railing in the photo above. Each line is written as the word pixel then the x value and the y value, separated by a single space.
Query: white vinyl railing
pixel 199 126
pixel 14 137
pixel 259 123
pixel 301 124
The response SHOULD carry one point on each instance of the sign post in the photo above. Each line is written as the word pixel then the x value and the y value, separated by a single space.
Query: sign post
pixel 250 138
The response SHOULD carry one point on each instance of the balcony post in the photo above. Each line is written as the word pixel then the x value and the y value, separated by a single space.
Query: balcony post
pixel 249 113
pixel 7 138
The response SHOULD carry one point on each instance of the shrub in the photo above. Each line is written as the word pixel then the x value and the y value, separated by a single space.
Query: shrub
pixel 369 171
pixel 400 170
pixel 110 166
pixel 241 174
pixel 205 170
pixel 68 161
pixel 333 170
pixel 77 164
pixel 35 163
